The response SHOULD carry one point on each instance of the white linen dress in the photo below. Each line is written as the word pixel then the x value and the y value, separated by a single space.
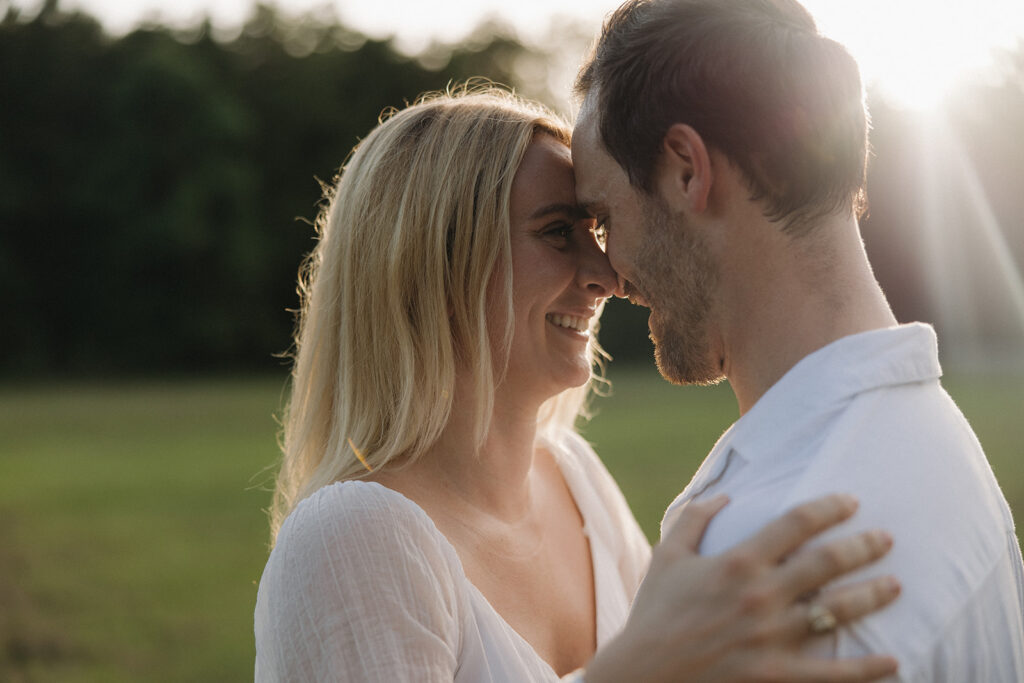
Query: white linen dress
pixel 361 586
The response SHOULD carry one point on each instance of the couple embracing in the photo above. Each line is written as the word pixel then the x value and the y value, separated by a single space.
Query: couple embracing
pixel 438 518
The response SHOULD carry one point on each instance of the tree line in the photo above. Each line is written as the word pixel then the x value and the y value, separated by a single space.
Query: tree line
pixel 156 189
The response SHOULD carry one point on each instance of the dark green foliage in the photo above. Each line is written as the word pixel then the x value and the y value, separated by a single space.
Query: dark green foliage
pixel 156 194
pixel 156 190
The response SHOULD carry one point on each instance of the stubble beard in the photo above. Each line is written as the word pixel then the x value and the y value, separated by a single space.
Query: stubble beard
pixel 678 280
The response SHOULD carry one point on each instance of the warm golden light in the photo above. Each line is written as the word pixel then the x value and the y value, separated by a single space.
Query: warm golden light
pixel 914 51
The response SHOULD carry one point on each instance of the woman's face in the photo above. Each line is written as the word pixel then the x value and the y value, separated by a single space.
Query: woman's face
pixel 560 274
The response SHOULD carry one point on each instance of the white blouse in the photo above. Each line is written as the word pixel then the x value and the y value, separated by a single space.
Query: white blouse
pixel 361 586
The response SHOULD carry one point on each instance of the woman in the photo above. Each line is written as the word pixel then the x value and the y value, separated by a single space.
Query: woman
pixel 436 516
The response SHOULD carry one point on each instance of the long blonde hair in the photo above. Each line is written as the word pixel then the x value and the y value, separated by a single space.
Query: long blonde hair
pixel 393 296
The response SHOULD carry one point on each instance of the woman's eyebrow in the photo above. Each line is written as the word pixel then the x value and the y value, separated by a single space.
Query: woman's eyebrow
pixel 561 207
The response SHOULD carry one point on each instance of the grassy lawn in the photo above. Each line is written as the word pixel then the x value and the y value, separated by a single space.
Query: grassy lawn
pixel 131 527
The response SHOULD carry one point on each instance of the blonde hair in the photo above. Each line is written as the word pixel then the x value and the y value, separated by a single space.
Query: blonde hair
pixel 412 237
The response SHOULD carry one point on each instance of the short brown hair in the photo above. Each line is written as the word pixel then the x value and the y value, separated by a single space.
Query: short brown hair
pixel 755 79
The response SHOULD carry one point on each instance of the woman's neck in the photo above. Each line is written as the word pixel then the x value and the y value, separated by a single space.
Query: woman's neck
pixel 493 477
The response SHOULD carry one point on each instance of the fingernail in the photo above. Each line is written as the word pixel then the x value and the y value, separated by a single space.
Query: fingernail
pixel 883 538
pixel 849 502
pixel 893 585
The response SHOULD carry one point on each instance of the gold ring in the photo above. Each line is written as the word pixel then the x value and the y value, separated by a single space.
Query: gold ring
pixel 820 618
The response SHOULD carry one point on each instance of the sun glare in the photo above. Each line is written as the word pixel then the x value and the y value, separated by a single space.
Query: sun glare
pixel 916 51
pixel 918 80
pixel 912 51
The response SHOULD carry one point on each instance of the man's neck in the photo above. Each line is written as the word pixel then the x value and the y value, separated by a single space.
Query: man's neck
pixel 792 297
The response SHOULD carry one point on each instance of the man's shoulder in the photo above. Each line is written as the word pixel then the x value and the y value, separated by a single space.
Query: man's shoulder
pixel 947 626
pixel 910 457
pixel 908 424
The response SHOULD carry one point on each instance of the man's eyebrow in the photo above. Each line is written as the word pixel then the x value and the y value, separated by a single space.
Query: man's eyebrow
pixel 573 210
pixel 589 209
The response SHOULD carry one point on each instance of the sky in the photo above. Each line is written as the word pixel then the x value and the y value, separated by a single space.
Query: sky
pixel 914 50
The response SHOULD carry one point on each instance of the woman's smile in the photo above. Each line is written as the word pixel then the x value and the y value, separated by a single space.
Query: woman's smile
pixel 579 327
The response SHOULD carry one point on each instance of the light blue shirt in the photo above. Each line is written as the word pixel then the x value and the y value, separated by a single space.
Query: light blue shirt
pixel 866 415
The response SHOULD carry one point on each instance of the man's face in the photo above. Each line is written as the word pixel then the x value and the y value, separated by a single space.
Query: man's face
pixel 662 261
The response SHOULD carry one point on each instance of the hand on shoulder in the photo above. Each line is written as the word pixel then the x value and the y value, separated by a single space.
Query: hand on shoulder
pixel 743 615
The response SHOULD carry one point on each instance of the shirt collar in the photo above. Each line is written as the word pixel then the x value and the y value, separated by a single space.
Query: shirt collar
pixel 823 382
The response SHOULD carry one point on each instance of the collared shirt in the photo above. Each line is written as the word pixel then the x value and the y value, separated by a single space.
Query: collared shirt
pixel 866 415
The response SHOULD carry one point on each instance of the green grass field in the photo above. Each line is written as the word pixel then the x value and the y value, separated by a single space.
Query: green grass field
pixel 132 535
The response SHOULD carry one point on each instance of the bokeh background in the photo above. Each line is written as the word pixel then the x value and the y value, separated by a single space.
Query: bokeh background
pixel 159 169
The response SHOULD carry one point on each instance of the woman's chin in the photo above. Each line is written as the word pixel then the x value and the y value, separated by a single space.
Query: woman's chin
pixel 568 374
pixel 579 375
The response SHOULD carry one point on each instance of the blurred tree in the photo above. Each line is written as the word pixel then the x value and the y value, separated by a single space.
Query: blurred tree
pixel 156 190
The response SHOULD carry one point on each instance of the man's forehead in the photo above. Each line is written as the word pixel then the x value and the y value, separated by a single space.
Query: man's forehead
pixel 583 134
pixel 589 157
pixel 588 107
pixel 586 147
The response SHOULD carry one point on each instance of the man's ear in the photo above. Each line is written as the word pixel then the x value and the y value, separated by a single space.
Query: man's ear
pixel 684 169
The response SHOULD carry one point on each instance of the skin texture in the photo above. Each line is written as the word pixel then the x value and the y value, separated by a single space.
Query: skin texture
pixel 678 271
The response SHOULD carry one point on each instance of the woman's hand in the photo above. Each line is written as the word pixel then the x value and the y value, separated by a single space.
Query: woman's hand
pixel 739 616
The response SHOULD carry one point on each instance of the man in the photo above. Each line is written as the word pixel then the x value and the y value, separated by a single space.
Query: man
pixel 723 143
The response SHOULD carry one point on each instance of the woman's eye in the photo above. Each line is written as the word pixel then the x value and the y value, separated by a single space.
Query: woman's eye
pixel 560 230
pixel 600 234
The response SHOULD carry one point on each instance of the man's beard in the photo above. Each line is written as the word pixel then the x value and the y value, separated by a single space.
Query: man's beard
pixel 675 274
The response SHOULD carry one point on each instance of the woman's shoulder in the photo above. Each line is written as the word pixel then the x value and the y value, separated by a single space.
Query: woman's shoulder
pixel 363 569
pixel 348 531
pixel 357 500
pixel 349 540
pixel 349 512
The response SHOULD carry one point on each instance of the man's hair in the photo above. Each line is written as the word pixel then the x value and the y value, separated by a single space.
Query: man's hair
pixel 413 239
pixel 755 79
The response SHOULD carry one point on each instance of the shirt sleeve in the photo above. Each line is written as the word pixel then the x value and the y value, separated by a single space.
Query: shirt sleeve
pixel 360 587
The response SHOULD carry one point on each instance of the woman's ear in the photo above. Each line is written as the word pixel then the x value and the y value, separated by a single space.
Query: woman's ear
pixel 684 173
